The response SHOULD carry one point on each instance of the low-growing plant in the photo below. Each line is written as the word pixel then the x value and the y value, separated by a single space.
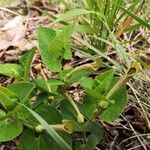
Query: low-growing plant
pixel 42 111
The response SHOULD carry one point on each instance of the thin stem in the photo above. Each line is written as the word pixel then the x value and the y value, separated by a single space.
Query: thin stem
pixel 80 117
pixel 69 98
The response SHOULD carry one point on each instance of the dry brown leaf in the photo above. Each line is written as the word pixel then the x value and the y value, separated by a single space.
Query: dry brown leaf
pixel 12 33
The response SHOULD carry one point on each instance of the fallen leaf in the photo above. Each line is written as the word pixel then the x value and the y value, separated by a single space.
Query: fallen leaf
pixel 12 33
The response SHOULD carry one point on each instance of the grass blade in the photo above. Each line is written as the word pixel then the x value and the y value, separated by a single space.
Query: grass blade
pixel 72 13
pixel 142 22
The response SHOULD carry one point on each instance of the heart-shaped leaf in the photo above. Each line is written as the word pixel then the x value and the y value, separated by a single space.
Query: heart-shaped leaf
pixel 45 35
pixel 60 41
pixel 22 89
pixel 9 129
pixel 11 70
pixel 43 141
pixel 48 113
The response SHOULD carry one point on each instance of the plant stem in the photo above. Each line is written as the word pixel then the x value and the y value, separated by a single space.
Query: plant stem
pixel 122 81
pixel 80 117
pixel 58 127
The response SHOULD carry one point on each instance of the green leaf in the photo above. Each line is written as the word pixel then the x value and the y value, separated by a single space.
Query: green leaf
pixel 52 83
pixel 45 35
pixel 142 22
pixel 95 129
pixel 76 75
pixel 103 81
pixel 7 92
pixel 29 141
pixel 48 113
pixel 60 41
pixel 11 70
pixel 40 98
pixel 55 136
pixel 86 82
pixel 88 106
pixel 7 98
pixel 68 52
pixel 114 110
pixel 9 129
pixel 95 133
pixel 67 110
pixel 91 142
pixel 22 89
pixel 26 61
pixel 78 146
pixel 41 83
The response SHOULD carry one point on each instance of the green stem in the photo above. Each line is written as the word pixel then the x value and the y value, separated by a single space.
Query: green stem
pixel 80 117
pixel 58 127
pixel 122 81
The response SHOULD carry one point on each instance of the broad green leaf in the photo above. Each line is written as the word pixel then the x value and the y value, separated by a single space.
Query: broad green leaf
pixel 7 92
pixel 86 82
pixel 7 98
pixel 11 70
pixel 45 36
pixel 60 41
pixel 54 135
pixel 22 89
pixel 26 61
pixel 48 113
pixel 90 102
pixel 53 84
pixel 41 83
pixel 91 142
pixel 103 81
pixel 78 145
pixel 106 81
pixel 41 98
pixel 96 95
pixel 67 110
pixel 96 129
pixel 95 133
pixel 114 110
pixel 88 106
pixel 29 141
pixel 9 129
pixel 74 75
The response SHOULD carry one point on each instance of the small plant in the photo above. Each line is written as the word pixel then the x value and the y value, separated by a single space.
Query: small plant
pixel 43 113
